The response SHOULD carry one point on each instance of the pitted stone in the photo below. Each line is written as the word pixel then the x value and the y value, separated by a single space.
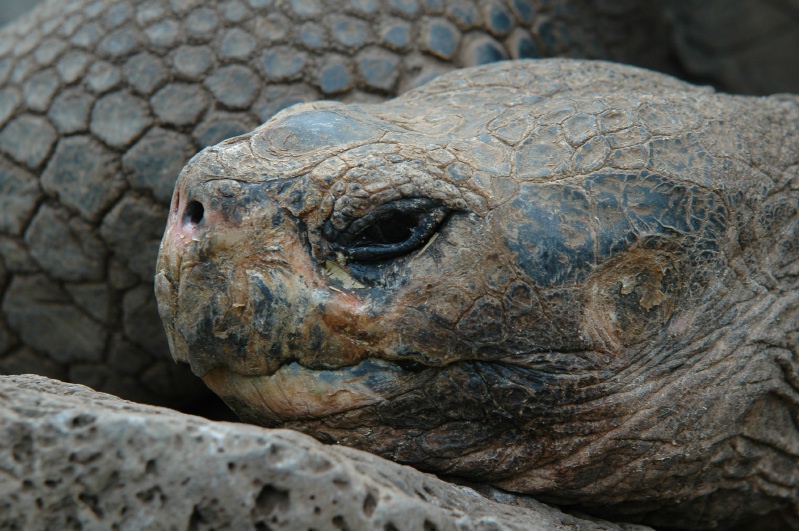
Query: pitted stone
pixel 120 43
pixel 155 161
pixel 35 301
pixel 164 33
pixel 234 86
pixel 72 65
pixel 282 63
pixel 70 111
pixel 379 69
pixel 102 77
pixel 440 38
pixel 178 470
pixel 9 103
pixel 19 195
pixel 67 249
pixel 133 231
pixel 192 62
pixel 145 72
pixel 180 103
pixel 201 23
pixel 84 174
pixel 28 139
pixel 218 126
pixel 119 118
pixel 236 44
pixel 39 89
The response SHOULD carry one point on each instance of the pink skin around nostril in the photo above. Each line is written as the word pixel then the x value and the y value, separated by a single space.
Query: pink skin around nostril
pixel 185 220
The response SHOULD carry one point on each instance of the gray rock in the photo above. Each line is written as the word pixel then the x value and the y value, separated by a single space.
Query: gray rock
pixel 73 457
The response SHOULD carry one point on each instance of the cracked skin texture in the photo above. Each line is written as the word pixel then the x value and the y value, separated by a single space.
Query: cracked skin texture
pixel 102 102
pixel 571 279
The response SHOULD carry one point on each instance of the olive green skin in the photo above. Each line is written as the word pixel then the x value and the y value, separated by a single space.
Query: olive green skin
pixel 603 313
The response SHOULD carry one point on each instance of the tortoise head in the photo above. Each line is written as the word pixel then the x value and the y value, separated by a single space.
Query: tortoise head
pixel 548 276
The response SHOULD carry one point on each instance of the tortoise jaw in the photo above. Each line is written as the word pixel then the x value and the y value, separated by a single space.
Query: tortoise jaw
pixel 295 392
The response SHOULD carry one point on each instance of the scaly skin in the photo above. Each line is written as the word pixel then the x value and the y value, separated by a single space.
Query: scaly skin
pixel 569 279
pixel 102 102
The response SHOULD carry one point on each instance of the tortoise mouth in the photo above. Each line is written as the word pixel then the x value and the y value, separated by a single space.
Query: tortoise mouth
pixel 295 392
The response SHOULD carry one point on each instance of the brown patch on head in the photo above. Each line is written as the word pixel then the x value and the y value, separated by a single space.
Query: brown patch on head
pixel 632 297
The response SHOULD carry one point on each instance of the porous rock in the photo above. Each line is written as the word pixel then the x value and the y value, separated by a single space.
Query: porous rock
pixel 74 458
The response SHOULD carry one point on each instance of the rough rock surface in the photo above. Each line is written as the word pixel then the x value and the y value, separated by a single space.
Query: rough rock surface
pixel 72 458
pixel 102 101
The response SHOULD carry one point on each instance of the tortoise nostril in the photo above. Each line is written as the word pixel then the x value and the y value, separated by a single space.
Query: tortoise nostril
pixel 193 214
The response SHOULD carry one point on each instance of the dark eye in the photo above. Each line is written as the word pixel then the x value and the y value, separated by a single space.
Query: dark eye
pixel 391 230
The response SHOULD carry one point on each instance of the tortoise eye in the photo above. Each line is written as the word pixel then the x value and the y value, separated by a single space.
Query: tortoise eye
pixel 391 230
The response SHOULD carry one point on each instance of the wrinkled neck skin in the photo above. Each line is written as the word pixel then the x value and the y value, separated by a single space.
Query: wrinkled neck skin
pixel 605 314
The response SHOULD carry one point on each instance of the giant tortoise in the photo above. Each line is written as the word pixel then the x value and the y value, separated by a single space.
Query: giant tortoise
pixel 572 279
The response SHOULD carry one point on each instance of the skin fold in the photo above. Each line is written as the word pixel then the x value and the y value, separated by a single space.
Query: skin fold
pixel 571 279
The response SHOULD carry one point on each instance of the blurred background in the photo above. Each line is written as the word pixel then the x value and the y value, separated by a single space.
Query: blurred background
pixel 11 9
